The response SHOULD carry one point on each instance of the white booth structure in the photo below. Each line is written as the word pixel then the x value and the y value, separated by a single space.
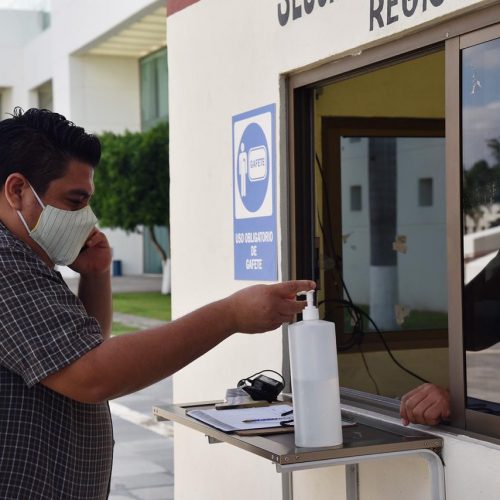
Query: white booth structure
pixel 356 143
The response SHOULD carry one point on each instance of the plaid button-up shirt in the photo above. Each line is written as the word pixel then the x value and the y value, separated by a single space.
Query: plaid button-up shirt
pixel 51 447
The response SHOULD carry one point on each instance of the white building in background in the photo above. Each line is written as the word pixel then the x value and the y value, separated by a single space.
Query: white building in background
pixel 100 64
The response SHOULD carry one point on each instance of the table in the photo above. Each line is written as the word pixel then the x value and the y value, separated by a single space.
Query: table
pixel 370 439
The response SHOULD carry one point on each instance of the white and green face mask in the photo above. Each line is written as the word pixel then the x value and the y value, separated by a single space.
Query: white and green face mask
pixel 61 233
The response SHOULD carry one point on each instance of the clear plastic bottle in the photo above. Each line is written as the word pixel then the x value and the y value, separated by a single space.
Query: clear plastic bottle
pixel 315 380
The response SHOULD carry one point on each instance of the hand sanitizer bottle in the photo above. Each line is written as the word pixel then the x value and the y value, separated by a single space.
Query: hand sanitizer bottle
pixel 315 380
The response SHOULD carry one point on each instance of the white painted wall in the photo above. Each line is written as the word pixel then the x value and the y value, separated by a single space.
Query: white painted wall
pixel 16 29
pixel 128 248
pixel 105 93
pixel 218 69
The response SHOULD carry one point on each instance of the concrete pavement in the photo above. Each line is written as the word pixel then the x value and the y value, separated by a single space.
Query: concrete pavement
pixel 143 465
pixel 139 283
pixel 136 321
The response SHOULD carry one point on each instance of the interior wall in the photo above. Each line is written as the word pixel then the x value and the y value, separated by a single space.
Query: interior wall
pixel 431 364
pixel 412 89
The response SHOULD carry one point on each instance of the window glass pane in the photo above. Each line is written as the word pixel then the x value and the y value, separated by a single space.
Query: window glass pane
pixel 425 194
pixel 481 224
pixel 154 89
pixel 162 75
pixel 44 93
pixel 356 203
pixel 377 251
pixel 148 92
pixel 394 256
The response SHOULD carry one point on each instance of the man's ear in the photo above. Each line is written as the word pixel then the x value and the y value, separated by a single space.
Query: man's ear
pixel 13 190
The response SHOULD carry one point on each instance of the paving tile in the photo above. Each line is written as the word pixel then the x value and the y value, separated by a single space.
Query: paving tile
pixel 143 467
pixel 161 493
pixel 142 481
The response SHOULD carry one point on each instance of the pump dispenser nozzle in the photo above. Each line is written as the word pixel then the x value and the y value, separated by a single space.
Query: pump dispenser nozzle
pixel 311 311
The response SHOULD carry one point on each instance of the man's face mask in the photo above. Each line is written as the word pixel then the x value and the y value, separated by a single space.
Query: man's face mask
pixel 61 233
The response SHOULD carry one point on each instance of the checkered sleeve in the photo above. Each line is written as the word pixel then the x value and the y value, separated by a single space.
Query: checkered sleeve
pixel 43 325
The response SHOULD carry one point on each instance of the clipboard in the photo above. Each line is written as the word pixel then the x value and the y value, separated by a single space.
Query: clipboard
pixel 245 419
pixel 262 432
pixel 263 420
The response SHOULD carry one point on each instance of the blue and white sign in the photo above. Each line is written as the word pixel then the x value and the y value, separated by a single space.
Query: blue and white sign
pixel 254 195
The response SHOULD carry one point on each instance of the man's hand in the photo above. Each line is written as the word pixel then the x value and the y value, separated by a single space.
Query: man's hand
pixel 95 258
pixel 94 289
pixel 427 404
pixel 261 308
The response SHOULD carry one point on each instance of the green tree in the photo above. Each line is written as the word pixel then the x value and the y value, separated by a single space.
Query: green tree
pixel 494 145
pixel 481 184
pixel 132 182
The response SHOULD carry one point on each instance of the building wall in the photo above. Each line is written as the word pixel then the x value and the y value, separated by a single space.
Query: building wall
pixel 128 248
pixel 15 29
pixel 105 93
pixel 100 93
pixel 233 64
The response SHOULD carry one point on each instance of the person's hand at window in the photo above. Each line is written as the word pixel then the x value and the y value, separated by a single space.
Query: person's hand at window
pixel 427 404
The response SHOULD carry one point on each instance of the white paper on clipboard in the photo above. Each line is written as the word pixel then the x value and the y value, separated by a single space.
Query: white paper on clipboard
pixel 233 420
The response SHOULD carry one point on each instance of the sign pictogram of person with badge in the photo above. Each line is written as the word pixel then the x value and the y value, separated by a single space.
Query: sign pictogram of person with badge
pixel 254 194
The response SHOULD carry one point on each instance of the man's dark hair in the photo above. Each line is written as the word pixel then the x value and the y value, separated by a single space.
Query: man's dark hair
pixel 39 144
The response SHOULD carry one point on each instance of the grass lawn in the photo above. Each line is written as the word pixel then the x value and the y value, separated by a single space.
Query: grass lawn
pixel 416 320
pixel 119 328
pixel 147 304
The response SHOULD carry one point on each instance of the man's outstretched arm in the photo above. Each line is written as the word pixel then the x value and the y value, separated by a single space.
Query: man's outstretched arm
pixel 125 364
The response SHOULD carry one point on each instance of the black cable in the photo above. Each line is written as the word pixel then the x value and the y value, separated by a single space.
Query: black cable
pixel 350 302
pixel 390 352
pixel 363 357
pixel 357 330
pixel 387 348
pixel 243 380
pixel 357 318
pixel 332 246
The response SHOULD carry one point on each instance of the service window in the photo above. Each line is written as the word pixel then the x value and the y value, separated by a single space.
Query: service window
pixel 378 207
pixel 395 190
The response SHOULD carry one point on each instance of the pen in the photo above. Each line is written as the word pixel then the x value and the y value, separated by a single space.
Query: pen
pixel 250 420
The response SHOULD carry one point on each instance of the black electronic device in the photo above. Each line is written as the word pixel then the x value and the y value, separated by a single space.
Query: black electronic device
pixel 261 387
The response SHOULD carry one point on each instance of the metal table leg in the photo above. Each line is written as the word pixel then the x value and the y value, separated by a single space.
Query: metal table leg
pixel 352 481
pixel 287 486
pixel 434 464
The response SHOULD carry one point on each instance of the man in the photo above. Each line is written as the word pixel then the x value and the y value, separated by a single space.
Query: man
pixel 58 364
pixel 430 404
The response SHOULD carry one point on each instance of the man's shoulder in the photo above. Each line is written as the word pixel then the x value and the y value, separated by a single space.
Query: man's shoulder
pixel 9 240
pixel 14 253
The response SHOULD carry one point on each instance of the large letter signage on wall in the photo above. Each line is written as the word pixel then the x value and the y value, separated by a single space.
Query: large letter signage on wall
pixel 382 12
pixel 254 195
